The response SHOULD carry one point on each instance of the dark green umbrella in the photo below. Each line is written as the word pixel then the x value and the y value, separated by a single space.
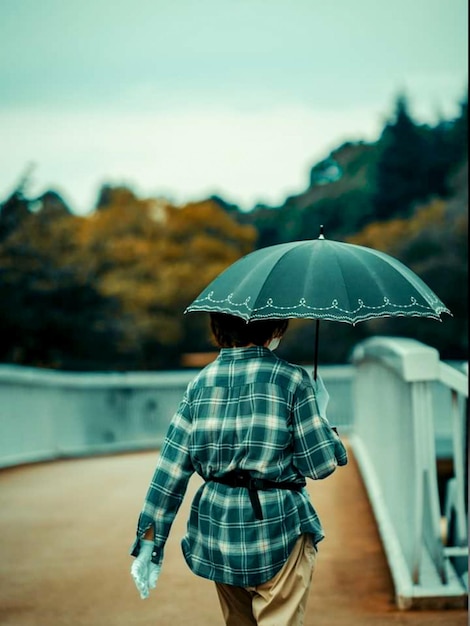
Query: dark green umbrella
pixel 322 280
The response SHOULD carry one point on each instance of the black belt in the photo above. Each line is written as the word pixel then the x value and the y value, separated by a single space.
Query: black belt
pixel 241 478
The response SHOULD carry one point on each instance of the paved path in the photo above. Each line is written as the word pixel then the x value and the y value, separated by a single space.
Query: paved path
pixel 66 528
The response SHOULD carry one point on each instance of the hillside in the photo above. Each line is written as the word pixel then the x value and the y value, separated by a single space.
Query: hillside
pixel 338 196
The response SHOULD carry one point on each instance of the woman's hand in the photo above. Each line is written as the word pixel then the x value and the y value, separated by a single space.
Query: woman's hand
pixel 143 571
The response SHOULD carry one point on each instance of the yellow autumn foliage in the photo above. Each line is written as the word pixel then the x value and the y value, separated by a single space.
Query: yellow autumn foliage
pixel 391 236
pixel 145 255
pixel 154 258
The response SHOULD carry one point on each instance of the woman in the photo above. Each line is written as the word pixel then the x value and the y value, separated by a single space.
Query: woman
pixel 251 425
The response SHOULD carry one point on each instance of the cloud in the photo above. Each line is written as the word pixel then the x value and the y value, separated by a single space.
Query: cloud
pixel 245 156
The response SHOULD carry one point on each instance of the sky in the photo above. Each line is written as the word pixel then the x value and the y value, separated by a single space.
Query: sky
pixel 240 98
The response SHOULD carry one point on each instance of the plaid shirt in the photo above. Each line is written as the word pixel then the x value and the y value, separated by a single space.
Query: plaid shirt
pixel 248 410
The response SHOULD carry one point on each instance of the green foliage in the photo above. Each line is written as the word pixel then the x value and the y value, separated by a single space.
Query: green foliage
pixel 415 162
pixel 14 212
pixel 340 216
pixel 401 176
pixel 342 203
pixel 433 243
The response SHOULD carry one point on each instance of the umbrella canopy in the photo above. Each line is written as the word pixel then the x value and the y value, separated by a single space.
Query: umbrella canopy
pixel 319 279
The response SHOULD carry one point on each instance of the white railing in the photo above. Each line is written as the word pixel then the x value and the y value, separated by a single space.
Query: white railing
pixel 46 414
pixel 401 393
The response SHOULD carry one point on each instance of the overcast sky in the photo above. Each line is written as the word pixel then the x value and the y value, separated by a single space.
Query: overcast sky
pixel 187 98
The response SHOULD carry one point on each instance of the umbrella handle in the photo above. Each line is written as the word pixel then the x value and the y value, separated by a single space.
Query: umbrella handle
pixel 317 329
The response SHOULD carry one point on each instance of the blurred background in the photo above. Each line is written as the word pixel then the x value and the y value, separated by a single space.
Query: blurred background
pixel 146 145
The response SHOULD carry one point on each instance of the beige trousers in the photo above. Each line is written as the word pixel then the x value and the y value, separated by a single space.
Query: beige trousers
pixel 280 601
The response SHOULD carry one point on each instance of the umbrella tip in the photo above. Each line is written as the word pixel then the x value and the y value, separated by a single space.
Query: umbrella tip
pixel 321 235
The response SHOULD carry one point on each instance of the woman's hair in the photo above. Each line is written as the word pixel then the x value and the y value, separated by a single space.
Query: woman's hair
pixel 234 332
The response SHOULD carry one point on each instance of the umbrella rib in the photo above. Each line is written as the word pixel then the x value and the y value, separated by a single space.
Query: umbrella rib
pixel 289 248
pixel 345 284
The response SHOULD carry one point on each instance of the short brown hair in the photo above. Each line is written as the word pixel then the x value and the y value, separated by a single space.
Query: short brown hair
pixel 234 332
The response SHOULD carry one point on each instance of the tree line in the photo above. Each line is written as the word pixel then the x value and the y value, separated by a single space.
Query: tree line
pixel 107 291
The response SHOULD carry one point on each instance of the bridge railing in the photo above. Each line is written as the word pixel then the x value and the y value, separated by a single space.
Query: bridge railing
pixel 47 414
pixel 400 390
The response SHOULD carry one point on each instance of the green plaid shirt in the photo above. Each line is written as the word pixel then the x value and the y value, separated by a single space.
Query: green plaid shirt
pixel 248 410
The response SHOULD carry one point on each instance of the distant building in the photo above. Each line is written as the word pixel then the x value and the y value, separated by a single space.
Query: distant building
pixel 327 171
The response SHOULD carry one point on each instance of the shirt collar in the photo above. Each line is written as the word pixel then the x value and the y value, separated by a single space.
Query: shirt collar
pixel 238 354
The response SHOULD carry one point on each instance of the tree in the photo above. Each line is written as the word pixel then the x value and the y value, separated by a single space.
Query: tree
pixel 433 243
pixel 50 316
pixel 458 137
pixel 402 172
pixel 108 290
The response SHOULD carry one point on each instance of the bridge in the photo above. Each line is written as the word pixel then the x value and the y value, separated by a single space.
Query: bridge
pixel 395 518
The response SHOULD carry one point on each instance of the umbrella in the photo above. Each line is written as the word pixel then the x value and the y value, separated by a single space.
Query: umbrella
pixel 319 279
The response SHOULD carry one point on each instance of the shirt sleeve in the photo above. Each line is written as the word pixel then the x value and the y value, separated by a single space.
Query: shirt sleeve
pixel 318 450
pixel 169 483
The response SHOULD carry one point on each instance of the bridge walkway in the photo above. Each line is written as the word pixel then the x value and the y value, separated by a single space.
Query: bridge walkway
pixel 66 527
